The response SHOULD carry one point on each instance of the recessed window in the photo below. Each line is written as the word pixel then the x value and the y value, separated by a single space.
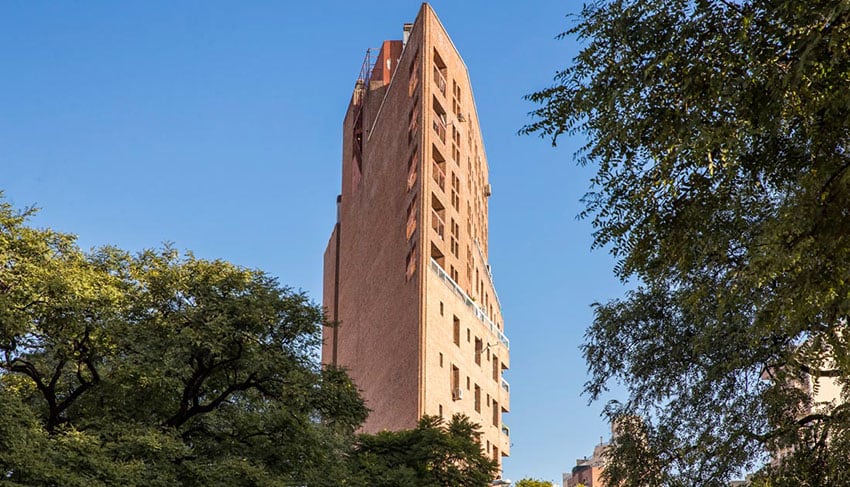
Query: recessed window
pixel 456 330
pixel 455 384
pixel 411 263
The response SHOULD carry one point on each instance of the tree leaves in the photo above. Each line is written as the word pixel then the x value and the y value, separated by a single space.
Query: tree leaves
pixel 719 131
pixel 160 369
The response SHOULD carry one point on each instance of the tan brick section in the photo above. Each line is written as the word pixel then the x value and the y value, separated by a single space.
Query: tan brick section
pixel 406 275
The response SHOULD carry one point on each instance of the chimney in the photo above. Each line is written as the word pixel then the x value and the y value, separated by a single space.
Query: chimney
pixel 407 28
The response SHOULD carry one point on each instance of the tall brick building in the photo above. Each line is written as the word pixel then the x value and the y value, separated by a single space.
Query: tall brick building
pixel 406 273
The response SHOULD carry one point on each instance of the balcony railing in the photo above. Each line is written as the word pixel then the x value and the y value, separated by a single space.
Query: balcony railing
pixel 489 273
pixel 440 127
pixel 505 385
pixel 505 430
pixel 478 312
pixel 439 175
pixel 438 224
pixel 440 80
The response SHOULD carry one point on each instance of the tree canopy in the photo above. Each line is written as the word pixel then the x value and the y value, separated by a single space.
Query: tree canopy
pixel 160 369
pixel 529 482
pixel 435 454
pixel 719 133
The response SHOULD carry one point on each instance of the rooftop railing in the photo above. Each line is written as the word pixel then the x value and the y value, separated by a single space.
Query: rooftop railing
pixel 478 312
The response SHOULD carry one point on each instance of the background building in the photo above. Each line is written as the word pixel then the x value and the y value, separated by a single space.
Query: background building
pixel 588 471
pixel 406 275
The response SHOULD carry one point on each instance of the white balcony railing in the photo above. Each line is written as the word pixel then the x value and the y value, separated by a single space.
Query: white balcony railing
pixel 438 224
pixel 440 80
pixel 439 175
pixel 478 312
pixel 440 127
pixel 505 385
pixel 489 273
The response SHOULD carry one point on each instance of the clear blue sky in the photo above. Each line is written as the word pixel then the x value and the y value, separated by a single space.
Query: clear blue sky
pixel 216 125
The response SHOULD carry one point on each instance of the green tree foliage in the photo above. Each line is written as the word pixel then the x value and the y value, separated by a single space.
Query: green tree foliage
pixel 160 369
pixel 529 482
pixel 719 130
pixel 435 454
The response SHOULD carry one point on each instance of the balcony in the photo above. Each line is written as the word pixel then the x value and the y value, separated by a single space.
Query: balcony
pixel 440 80
pixel 439 175
pixel 438 224
pixel 440 127
pixel 478 312
pixel 506 440
pixel 505 386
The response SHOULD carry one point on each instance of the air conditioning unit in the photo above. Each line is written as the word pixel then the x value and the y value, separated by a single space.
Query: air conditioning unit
pixel 457 394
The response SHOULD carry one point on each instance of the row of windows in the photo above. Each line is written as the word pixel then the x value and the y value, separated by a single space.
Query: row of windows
pixel 458 392
pixel 479 349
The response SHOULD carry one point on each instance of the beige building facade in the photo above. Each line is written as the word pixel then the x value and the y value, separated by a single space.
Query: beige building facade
pixel 406 274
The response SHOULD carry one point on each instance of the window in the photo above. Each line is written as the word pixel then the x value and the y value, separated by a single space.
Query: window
pixel 456 192
pixel 496 368
pixel 441 308
pixel 438 256
pixel 411 218
pixel 438 166
pixel 468 335
pixel 412 169
pixel 456 331
pixel 441 410
pixel 477 398
pixel 438 213
pixel 413 123
pixel 479 348
pixel 441 360
pixel 440 120
pixel 496 413
pixel 413 75
pixel 456 391
pixel 411 263
pixel 439 73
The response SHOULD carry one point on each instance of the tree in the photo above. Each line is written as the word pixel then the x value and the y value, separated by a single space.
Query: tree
pixel 719 130
pixel 435 454
pixel 160 369
pixel 529 482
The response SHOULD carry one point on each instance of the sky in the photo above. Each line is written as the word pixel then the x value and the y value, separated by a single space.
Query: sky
pixel 216 125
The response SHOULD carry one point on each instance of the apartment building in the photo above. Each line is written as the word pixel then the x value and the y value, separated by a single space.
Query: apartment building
pixel 588 471
pixel 406 273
